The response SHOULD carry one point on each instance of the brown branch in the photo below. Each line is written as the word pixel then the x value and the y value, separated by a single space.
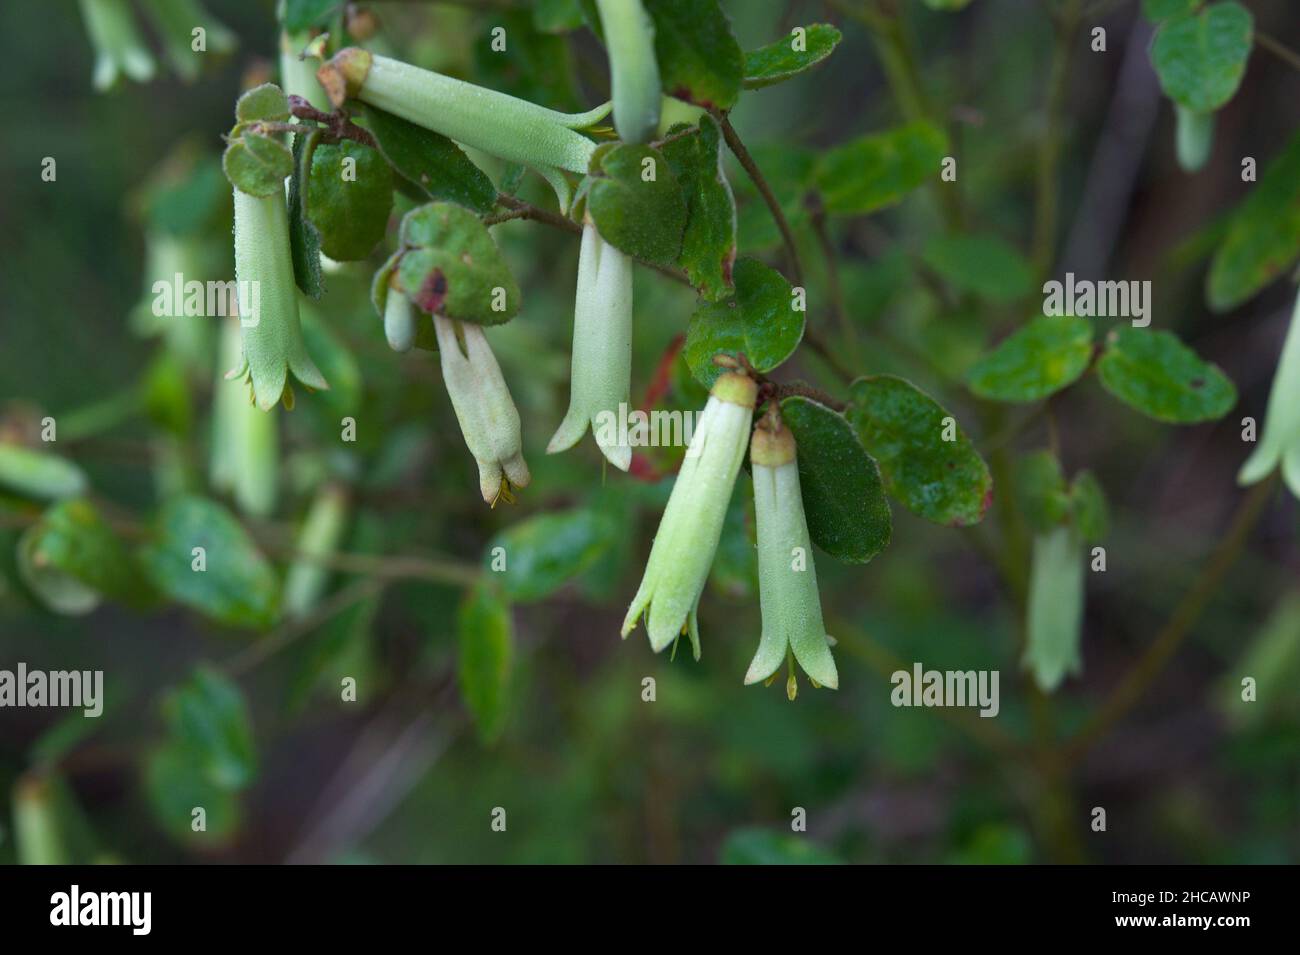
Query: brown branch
pixel 338 125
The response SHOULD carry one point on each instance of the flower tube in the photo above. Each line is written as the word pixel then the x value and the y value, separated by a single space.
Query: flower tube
pixel 787 578
pixel 487 415
pixel 1280 442
pixel 691 526
pixel 119 49
pixel 634 72
pixel 601 371
pixel 1054 615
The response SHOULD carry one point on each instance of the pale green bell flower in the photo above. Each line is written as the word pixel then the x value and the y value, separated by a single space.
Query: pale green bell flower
pixel 691 526
pixel 1280 442
pixel 1054 615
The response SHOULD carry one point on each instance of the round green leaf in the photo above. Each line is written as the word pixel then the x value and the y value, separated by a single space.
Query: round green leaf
pixel 266 103
pixel 55 588
pixel 451 266
pixel 905 430
pixel 349 197
pixel 843 499
pixel 257 164
pixel 1201 57
pixel 1040 358
pixel 546 551
pixel 1088 506
pixel 759 321
pixel 208 715
pixel 803 49
pixel 1158 375
pixel 637 203
pixel 699 58
pixel 876 171
pixel 983 265
pixel 73 539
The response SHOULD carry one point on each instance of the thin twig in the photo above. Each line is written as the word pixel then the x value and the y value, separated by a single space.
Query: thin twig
pixel 1278 49
pixel 1046 188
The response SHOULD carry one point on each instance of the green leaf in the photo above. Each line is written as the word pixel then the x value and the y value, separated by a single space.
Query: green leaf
pixel 451 266
pixel 1263 239
pixel 238 586
pixel 760 321
pixel 1088 506
pixel 903 428
pixel 781 60
pixel 38 474
pixel 1201 57
pixel 431 162
pixel 764 847
pixel 190 196
pixel 1157 10
pixel 983 265
pixel 709 244
pixel 207 714
pixel 349 202
pixel 947 5
pixel 843 499
pixel 257 164
pixel 297 16
pixel 55 589
pixel 546 551
pixel 876 171
pixel 176 784
pixel 642 218
pixel 486 651
pixel 699 58
pixel 266 103
pixel 304 240
pixel 1158 375
pixel 73 539
pixel 1041 491
pixel 535 66
pixel 1039 359
pixel 557 16
pixel 788 170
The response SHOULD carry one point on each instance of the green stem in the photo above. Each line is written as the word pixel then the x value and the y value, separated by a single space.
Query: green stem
pixel 1046 201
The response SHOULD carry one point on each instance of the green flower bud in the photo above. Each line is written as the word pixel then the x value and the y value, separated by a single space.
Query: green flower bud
pixel 488 418
pixel 691 526
pixel 1280 442
pixel 1055 609
pixel 399 321
pixel 634 72
pixel 245 459
pixel 268 301
pixel 1194 138
pixel 601 374
pixel 119 48
pixel 787 577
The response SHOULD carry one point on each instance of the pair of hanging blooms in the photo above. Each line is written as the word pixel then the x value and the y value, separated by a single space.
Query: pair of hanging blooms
pixel 687 540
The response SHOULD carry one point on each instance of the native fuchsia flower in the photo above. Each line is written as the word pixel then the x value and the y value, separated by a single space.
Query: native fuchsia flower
pixel 488 418
pixel 787 578
pixel 601 371
pixel 119 48
pixel 1280 442
pixel 688 535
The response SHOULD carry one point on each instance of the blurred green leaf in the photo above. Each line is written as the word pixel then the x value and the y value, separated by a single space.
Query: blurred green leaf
pixel 1158 375
pixel 699 58
pixel 1042 494
pixel 190 196
pixel 788 169
pixel 759 321
pixel 843 499
pixel 557 16
pixel 781 60
pixel 486 653
pixel 535 66
pixel 983 265
pixel 1088 506
pixel 38 474
pixel 876 171
pixel 546 551
pixel 238 586
pixel 903 428
pixel 73 539
pixel 1263 238
pixel 431 161
pixel 1156 10
pixel 56 589
pixel 304 240
pixel 1038 359
pixel 349 197
pixel 207 715
pixel 641 217
pixel 708 251
pixel 177 784
pixel 1201 57
pixel 299 15
pixel 995 845
pixel 765 847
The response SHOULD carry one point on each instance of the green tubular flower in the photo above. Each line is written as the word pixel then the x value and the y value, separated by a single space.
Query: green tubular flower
pixel 502 125
pixel 1280 442
pixel 245 461
pixel 273 344
pixel 119 48
pixel 688 534
pixel 787 578
pixel 318 539
pixel 601 374
pixel 174 21
pixel 634 72
pixel 1055 610
pixel 297 76
pixel 488 418
pixel 1194 138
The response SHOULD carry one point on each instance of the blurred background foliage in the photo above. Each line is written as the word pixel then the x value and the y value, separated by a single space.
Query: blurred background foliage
pixel 203 710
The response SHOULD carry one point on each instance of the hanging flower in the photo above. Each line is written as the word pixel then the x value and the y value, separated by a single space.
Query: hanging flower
pixel 787 578
pixel 688 535
pixel 488 418
pixel 601 373
pixel 634 71
pixel 1280 442
pixel 245 455
pixel 1054 615
pixel 119 49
